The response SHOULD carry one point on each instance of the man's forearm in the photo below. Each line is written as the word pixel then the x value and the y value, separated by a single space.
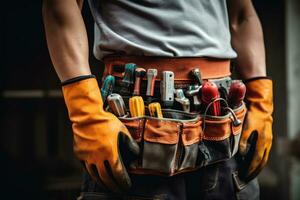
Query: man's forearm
pixel 247 40
pixel 66 38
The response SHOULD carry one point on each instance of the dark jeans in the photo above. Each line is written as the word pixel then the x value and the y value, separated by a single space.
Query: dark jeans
pixel 217 181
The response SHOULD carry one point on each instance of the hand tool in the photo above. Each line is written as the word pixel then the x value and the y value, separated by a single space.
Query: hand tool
pixel 136 106
pixel 197 75
pixel 139 74
pixel 185 102
pixel 191 93
pixel 196 101
pixel 236 93
pixel 167 88
pixel 107 86
pixel 116 104
pixel 210 93
pixel 128 77
pixel 155 110
pixel 151 76
pixel 195 91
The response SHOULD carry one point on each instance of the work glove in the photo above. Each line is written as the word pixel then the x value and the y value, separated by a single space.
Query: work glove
pixel 101 141
pixel 256 138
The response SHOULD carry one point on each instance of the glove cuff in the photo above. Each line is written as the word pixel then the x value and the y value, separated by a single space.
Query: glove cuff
pixel 82 97
pixel 77 79
pixel 259 94
pixel 257 78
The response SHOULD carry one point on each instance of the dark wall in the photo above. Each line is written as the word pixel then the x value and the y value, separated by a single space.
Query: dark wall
pixel 272 16
pixel 36 139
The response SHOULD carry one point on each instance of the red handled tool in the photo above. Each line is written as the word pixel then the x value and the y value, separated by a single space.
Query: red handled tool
pixel 236 93
pixel 210 93
pixel 139 74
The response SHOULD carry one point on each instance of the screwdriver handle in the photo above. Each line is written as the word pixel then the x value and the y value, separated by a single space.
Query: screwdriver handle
pixel 128 74
pixel 151 76
pixel 155 110
pixel 139 74
pixel 210 92
pixel 236 93
pixel 107 86
pixel 137 83
pixel 116 104
pixel 136 106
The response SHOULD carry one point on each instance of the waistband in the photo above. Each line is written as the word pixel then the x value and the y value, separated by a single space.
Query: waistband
pixel 211 68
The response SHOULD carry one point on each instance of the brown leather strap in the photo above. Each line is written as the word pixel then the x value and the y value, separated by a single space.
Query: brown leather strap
pixel 210 67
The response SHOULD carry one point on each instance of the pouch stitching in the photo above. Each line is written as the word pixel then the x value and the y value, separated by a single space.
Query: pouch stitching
pixel 141 128
pixel 216 138
pixel 239 185
pixel 153 140
pixel 178 149
pixel 140 162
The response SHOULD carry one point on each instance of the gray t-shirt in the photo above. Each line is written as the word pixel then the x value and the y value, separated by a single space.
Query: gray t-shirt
pixel 172 28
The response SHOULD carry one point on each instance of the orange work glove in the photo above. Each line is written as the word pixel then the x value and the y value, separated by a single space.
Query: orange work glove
pixel 100 139
pixel 256 138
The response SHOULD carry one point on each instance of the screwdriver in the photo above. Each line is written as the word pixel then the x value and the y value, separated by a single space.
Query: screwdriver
pixel 107 86
pixel 151 76
pixel 139 74
pixel 155 110
pixel 210 93
pixel 116 104
pixel 136 106
pixel 236 93
pixel 128 77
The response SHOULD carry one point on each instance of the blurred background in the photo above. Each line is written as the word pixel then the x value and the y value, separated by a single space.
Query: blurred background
pixel 36 155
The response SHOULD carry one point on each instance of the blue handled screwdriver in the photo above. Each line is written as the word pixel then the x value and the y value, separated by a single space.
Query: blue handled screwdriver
pixel 107 86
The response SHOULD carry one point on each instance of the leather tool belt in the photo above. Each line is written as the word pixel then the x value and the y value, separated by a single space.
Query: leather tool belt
pixel 210 68
pixel 181 142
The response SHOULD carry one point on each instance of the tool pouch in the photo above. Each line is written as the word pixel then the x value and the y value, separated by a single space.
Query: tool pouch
pixel 182 142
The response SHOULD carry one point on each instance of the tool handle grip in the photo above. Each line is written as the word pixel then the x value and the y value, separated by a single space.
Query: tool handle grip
pixel 137 85
pixel 210 92
pixel 150 87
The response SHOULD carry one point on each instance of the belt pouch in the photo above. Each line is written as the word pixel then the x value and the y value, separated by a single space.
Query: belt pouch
pixel 182 142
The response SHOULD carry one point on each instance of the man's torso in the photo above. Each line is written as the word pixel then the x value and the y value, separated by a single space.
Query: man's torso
pixel 177 28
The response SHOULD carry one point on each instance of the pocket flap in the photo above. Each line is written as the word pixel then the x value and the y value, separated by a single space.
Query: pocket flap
pixel 217 129
pixel 135 127
pixel 191 133
pixel 161 131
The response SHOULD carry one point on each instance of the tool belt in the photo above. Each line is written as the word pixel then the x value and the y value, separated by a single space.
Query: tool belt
pixel 210 68
pixel 181 141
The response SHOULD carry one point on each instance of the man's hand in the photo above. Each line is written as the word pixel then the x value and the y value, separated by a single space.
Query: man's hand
pixel 256 139
pixel 248 42
pixel 101 141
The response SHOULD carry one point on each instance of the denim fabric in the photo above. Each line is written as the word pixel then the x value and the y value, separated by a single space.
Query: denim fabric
pixel 217 181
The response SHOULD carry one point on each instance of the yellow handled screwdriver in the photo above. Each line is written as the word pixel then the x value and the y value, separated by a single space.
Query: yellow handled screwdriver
pixel 136 106
pixel 155 110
